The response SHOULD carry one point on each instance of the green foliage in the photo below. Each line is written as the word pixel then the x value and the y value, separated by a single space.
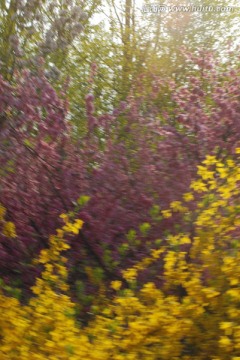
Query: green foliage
pixel 83 200
pixel 144 228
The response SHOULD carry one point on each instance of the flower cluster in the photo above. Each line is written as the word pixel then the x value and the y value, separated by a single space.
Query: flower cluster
pixel 131 163
pixel 7 227
pixel 45 327
pixel 194 315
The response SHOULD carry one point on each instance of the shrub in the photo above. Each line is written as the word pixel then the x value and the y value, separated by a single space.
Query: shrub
pixel 131 163
pixel 195 315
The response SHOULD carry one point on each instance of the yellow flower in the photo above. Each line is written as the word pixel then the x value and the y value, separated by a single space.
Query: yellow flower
pixel 156 253
pixel 9 230
pixel 60 233
pixel 79 223
pixel 116 285
pixel 234 293
pixel 226 325
pixel 210 160
pixel 234 281
pixel 188 197
pixel 36 290
pixel 73 227
pixel 223 172
pixel 2 212
pixel 205 173
pixel 176 205
pixel 173 240
pixel 44 256
pixel 224 341
pixel 166 214
pixel 198 186
pixel 185 240
pixel 64 217
pixel 130 274
pixel 230 163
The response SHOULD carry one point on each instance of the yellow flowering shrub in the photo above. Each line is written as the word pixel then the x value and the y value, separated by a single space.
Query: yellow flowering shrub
pixel 45 328
pixel 6 227
pixel 194 316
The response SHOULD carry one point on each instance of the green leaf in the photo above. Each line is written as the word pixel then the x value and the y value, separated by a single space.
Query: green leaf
pixel 80 287
pixel 158 242
pixel 98 274
pixel 70 349
pixel 131 236
pixel 123 248
pixel 144 228
pixel 154 211
pixel 83 200
pixel 28 143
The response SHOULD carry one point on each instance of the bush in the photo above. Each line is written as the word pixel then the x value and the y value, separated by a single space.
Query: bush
pixel 195 315
pixel 131 163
